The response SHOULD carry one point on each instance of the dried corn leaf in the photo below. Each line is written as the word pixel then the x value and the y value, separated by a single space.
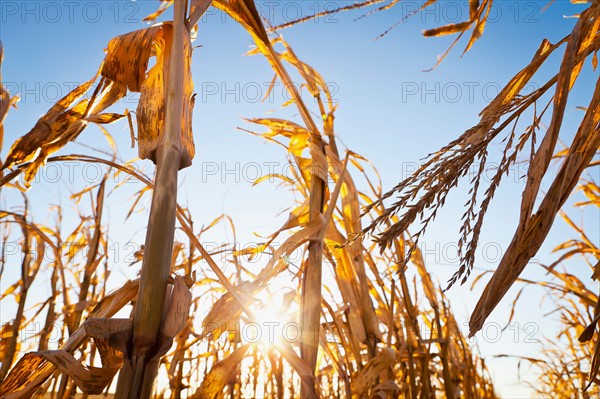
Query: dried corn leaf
pixel 314 80
pixel 107 93
pixel 128 55
pixel 116 333
pixel 225 312
pixel 91 380
pixel 299 136
pixel 244 12
pixel 479 26
pixel 448 29
pixel 111 335
pixel 178 311
pixel 373 371
pixel 126 63
pixel 40 141
pixel 354 249
pixel 220 375
pixel 115 301
pixel 20 375
pixel 298 217
pixel 62 124
pixel 104 118
pixel 541 160
pixel 473 8
pixel 533 229
pixel 289 246
pixel 5 334
pixel 251 252
pixel 588 332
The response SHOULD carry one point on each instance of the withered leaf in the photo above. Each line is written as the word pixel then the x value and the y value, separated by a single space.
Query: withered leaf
pixel 219 375
pixel 63 123
pixel 91 380
pixel 448 29
pixel 180 301
pixel 128 55
pixel 127 63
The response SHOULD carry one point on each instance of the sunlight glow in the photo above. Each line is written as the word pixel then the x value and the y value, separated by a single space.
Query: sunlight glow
pixel 275 322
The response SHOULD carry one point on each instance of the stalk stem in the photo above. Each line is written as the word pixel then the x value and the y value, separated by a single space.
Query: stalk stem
pixel 137 378
pixel 311 286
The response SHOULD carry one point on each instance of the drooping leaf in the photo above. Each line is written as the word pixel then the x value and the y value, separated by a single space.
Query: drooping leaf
pixel 220 374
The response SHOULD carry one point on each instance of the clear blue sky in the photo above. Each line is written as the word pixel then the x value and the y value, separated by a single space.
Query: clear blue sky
pixel 389 111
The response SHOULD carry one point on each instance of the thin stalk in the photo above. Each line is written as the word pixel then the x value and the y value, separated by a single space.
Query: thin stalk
pixel 88 271
pixel 90 268
pixel 11 346
pixel 137 377
pixel 444 342
pixel 311 285
pixel 51 314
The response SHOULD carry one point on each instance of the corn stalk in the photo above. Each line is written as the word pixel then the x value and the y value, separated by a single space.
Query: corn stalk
pixel 311 286
pixel 138 374
pixel 29 269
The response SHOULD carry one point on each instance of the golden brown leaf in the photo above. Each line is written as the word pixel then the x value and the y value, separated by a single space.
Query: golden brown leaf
pixel 178 309
pixel 244 11
pixel 21 373
pixel 91 380
pixel 220 374
pixel 104 118
pixel 62 124
pixel 533 229
pixel 126 63
pixel 41 140
pixel 448 29
pixel 127 57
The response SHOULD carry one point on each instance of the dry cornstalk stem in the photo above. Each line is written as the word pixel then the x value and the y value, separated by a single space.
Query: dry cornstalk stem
pixel 88 271
pixel 311 284
pixel 138 374
pixel 91 264
pixel 26 268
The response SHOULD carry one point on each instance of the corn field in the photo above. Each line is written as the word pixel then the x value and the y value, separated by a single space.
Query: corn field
pixel 361 314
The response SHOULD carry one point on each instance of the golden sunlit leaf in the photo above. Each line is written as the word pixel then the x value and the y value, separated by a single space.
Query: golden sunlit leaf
pixel 63 123
pixel 244 11
pixel 177 315
pixel 220 374
pixel 91 380
pixel 448 29
pixel 104 118
pixel 150 112
pixel 59 125
pixel 128 55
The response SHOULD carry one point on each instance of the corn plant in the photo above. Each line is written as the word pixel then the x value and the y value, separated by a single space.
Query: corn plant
pixel 569 362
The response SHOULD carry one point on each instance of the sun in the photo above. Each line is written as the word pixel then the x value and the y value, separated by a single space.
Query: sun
pixel 274 320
